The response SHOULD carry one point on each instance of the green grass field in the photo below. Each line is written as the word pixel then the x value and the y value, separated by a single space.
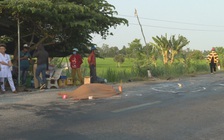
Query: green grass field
pixel 107 68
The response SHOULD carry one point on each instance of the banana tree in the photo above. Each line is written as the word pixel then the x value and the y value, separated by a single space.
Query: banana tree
pixel 176 45
pixel 162 44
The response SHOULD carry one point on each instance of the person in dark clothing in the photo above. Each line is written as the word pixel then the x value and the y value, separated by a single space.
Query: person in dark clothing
pixel 42 64
pixel 92 65
pixel 24 63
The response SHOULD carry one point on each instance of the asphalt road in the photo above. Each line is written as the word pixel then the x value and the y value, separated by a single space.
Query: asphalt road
pixel 184 109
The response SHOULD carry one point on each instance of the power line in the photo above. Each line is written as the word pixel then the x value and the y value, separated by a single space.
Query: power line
pixel 179 22
pixel 163 27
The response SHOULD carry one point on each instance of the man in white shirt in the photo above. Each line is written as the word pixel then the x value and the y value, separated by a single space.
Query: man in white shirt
pixel 6 64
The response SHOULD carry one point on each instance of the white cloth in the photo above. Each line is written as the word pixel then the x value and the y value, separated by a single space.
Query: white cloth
pixel 6 72
pixel 11 83
pixel 50 70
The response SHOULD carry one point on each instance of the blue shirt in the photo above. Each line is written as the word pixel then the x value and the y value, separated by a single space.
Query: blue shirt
pixel 24 62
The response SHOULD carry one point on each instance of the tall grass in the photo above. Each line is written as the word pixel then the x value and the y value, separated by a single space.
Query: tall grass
pixel 107 68
pixel 195 66
pixel 179 69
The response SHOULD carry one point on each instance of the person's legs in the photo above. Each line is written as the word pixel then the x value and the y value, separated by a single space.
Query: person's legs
pixel 37 74
pixel 43 72
pixel 211 67
pixel 74 72
pixel 22 75
pixel 80 75
pixel 11 83
pixel 25 76
pixel 2 80
pixel 24 72
pixel 214 66
pixel 41 69
pixel 93 74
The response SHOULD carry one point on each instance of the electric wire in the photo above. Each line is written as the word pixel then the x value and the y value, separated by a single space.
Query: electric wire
pixel 179 22
pixel 188 29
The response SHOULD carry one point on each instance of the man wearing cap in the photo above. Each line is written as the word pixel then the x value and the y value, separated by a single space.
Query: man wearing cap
pixel 213 60
pixel 75 64
pixel 24 63
pixel 6 64
pixel 92 65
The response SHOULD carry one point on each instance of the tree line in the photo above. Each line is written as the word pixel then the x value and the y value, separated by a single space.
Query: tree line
pixel 167 49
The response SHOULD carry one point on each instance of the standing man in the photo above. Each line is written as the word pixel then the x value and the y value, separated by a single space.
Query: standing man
pixel 213 60
pixel 6 73
pixel 92 65
pixel 75 64
pixel 42 64
pixel 24 63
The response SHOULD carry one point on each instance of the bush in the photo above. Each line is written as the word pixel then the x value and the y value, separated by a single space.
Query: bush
pixel 132 71
pixel 179 69
pixel 197 66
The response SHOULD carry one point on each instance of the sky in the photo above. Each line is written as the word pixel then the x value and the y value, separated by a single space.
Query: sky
pixel 200 21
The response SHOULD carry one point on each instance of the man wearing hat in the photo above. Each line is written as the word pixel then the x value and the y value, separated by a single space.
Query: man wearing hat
pixel 213 60
pixel 75 64
pixel 24 63
pixel 92 65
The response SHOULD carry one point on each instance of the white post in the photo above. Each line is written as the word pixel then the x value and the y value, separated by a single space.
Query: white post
pixel 149 74
pixel 18 24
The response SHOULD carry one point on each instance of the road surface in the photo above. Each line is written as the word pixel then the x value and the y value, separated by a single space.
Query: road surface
pixel 189 108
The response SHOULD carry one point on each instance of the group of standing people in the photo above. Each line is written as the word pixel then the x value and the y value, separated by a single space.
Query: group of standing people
pixel 76 62
pixel 6 66
pixel 42 64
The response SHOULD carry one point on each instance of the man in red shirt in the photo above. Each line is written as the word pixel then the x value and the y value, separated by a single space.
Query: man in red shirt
pixel 92 65
pixel 75 63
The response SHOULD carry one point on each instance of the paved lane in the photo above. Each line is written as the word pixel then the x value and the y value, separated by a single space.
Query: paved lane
pixel 184 109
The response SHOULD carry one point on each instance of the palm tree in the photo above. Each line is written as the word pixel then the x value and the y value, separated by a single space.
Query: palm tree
pixel 162 44
pixel 177 45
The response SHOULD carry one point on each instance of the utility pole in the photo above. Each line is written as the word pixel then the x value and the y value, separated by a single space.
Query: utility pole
pixel 136 14
pixel 147 49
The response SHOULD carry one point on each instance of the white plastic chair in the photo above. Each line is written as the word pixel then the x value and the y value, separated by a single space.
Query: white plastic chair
pixel 53 81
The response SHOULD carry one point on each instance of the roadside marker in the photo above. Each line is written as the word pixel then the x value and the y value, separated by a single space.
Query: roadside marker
pixel 64 96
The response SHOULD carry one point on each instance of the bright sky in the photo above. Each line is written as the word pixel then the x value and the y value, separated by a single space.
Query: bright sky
pixel 200 21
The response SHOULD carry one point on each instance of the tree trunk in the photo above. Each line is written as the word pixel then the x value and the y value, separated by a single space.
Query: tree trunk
pixel 165 57
pixel 15 55
pixel 172 56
